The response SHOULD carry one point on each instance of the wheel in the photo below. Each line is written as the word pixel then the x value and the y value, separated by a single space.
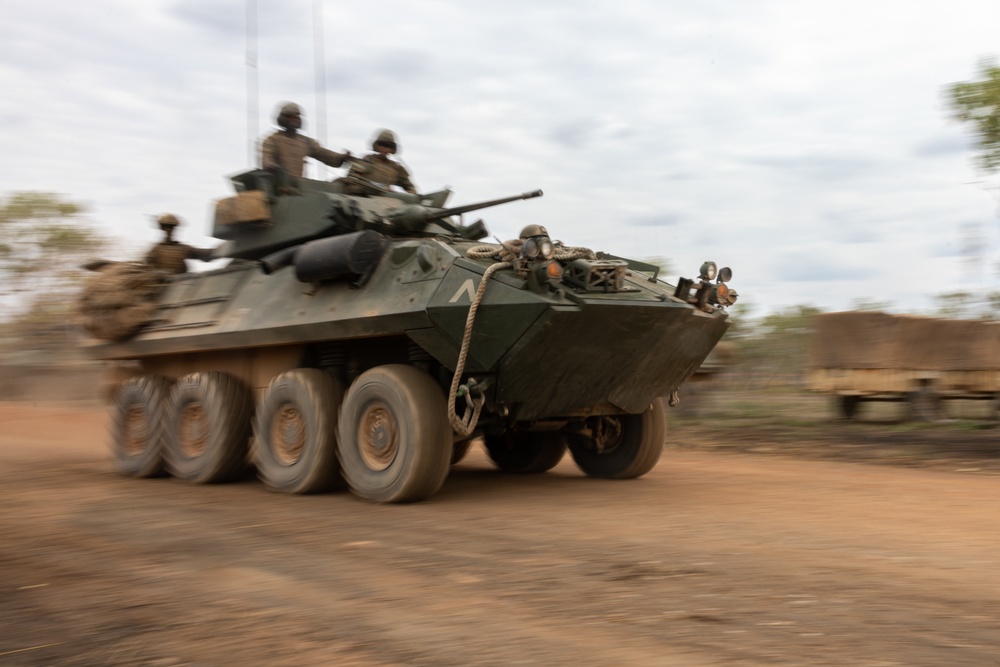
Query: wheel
pixel 460 449
pixel 527 452
pixel 923 405
pixel 295 432
pixel 136 425
pixel 395 442
pixel 849 406
pixel 207 427
pixel 622 447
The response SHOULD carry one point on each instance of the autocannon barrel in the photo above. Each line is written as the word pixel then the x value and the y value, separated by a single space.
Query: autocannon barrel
pixel 458 210
pixel 414 217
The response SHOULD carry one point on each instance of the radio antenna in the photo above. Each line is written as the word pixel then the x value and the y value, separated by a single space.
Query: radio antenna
pixel 320 68
pixel 252 94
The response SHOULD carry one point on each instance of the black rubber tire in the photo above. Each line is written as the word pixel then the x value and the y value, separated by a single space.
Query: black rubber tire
pixel 208 428
pixel 395 442
pixel 526 453
pixel 634 453
pixel 138 406
pixel 295 432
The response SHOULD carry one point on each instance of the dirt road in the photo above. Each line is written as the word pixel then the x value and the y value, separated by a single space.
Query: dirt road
pixel 714 558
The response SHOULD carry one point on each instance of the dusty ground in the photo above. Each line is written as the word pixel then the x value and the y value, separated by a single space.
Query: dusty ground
pixel 747 545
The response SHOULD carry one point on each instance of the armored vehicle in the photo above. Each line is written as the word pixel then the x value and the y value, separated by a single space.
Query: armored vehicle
pixel 367 339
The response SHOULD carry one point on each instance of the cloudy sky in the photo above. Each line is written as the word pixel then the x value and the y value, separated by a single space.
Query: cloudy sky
pixel 805 144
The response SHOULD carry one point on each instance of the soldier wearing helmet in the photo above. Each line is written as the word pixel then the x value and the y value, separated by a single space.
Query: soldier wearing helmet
pixel 379 168
pixel 287 150
pixel 169 255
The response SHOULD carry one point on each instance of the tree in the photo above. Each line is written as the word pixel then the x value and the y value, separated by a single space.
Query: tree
pixel 978 102
pixel 778 344
pixel 44 239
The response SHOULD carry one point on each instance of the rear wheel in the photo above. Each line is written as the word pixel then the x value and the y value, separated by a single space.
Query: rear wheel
pixel 295 432
pixel 622 447
pixel 208 427
pixel 136 428
pixel 395 442
pixel 526 453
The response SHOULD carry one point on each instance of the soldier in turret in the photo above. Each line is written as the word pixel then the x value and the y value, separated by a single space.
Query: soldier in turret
pixel 379 168
pixel 169 255
pixel 287 150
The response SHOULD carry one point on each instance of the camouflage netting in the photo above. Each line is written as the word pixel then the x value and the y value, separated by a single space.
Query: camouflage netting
pixel 119 299
pixel 873 340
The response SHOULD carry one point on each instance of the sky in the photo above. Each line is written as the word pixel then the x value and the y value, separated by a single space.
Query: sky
pixel 807 145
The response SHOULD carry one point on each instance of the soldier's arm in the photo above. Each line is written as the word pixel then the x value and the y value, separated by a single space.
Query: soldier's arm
pixel 404 181
pixel 326 156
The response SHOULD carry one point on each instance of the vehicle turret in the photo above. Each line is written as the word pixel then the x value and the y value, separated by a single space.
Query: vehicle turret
pixel 265 216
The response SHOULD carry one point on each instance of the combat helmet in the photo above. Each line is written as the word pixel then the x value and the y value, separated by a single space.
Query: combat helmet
pixel 167 220
pixel 386 138
pixel 286 109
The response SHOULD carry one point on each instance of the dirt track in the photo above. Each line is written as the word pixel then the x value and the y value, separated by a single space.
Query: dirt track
pixel 715 558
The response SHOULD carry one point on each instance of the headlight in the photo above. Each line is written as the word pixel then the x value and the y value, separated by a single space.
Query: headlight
pixel 545 247
pixel 530 249
pixel 537 246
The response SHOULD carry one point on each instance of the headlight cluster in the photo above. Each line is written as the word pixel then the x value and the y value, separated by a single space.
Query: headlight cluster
pixel 706 293
pixel 536 243
pixel 537 249
pixel 538 246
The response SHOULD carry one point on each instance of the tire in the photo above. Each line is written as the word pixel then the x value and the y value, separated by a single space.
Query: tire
pixel 528 452
pixel 295 432
pixel 137 425
pixel 395 442
pixel 629 447
pixel 208 428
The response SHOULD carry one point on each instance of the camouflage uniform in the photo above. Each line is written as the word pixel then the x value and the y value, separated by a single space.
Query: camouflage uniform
pixel 380 169
pixel 169 255
pixel 287 149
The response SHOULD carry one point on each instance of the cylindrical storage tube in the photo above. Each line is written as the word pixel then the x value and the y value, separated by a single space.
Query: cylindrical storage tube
pixel 347 255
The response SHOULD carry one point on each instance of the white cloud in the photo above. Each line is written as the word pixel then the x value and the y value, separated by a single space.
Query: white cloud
pixel 805 144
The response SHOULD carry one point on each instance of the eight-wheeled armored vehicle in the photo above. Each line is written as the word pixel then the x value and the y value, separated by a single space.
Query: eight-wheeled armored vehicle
pixel 369 338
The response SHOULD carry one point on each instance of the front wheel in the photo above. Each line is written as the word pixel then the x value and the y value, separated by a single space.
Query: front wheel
pixel 295 429
pixel 395 442
pixel 622 447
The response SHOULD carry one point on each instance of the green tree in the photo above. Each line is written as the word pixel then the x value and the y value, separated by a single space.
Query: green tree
pixel 777 345
pixel 978 102
pixel 44 239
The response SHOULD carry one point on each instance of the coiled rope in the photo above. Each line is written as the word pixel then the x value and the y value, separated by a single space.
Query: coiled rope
pixel 507 255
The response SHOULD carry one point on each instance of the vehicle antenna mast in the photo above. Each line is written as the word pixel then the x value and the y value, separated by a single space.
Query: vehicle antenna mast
pixel 252 87
pixel 320 68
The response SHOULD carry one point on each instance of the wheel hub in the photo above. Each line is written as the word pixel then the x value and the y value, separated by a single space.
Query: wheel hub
pixel 136 431
pixel 288 435
pixel 194 430
pixel 378 437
